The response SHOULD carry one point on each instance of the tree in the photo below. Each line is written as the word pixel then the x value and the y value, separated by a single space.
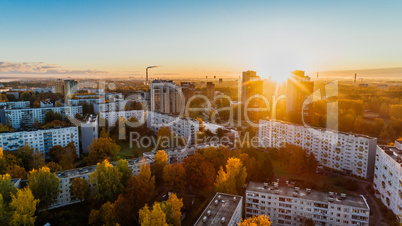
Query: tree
pixel 101 149
pixel 312 163
pixel 233 179
pixel 260 220
pixel 4 212
pixel 24 207
pixel 58 104
pixel 216 156
pixel 44 186
pixel 25 154
pixel 139 191
pixel 65 157
pixel 164 138
pixel 154 217
pixel 199 172
pixel 17 171
pixel 174 176
pixel 122 166
pixel 160 163
pixel 36 104
pixel 267 170
pixel 253 167
pixel 220 132
pixel 107 182
pixel 172 209
pixel 54 167
pixel 37 160
pixel 79 188
pixel 104 216
pixel 297 164
pixel 7 189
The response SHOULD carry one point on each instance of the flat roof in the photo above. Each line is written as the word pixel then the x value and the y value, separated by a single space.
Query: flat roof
pixel 224 208
pixel 393 152
pixel 313 195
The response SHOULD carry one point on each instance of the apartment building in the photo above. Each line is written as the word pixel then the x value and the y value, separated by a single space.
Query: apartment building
pixel 89 131
pixel 66 178
pixel 178 154
pixel 347 152
pixel 116 105
pixel 294 206
pixel 224 209
pixel 46 104
pixel 40 139
pixel 14 104
pixel 81 101
pixel 166 97
pixel 25 117
pixel 185 127
pixel 388 177
pixel 113 116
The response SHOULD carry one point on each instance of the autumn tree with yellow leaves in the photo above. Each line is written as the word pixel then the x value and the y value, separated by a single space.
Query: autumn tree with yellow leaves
pixel 23 206
pixel 232 180
pixel 260 220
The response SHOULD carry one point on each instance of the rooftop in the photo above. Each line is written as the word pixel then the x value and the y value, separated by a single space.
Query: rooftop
pixel 308 194
pixel 393 152
pixel 222 206
pixel 36 129
pixel 323 129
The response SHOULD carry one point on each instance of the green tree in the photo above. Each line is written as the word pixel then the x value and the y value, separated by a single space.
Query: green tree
pixel 107 182
pixel 7 189
pixel 25 154
pixel 24 207
pixel 122 166
pixel 44 186
pixel 172 209
pixel 79 188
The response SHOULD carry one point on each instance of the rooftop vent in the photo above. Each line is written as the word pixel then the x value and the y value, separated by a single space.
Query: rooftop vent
pixel 216 202
pixel 297 189
pixel 331 194
pixel 330 199
pixel 308 190
pixel 343 195
pixel 265 185
pixel 209 213
pixel 295 194
pixel 234 199
pixel 276 191
pixel 219 197
pixel 223 220
pixel 204 219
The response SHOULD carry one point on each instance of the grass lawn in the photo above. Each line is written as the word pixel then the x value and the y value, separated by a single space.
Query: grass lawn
pixel 134 152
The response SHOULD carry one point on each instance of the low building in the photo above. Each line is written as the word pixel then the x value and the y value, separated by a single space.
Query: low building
pixel 295 206
pixel 351 153
pixel 185 127
pixel 224 209
pixel 113 116
pixel 66 178
pixel 388 177
pixel 89 131
pixel 40 139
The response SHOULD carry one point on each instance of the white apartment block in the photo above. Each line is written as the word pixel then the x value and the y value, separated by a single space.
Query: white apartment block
pixel 89 131
pixel 118 105
pixel 166 97
pixel 347 152
pixel 388 177
pixel 27 116
pixel 224 209
pixel 75 102
pixel 15 104
pixel 66 178
pixel 293 206
pixel 185 127
pixel 113 116
pixel 40 139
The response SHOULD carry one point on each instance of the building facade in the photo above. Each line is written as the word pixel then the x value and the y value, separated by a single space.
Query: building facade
pixel 224 209
pixel 294 206
pixel 210 90
pixel 251 85
pixel 89 131
pixel 388 177
pixel 166 97
pixel 40 139
pixel 350 153
pixel 113 116
pixel 185 127
pixel 26 117
pixel 299 87
pixel 188 89
pixel 15 104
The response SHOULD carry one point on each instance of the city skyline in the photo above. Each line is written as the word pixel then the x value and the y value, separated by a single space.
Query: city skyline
pixel 198 39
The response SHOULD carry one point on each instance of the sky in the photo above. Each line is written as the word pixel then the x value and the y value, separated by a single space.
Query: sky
pixel 197 38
